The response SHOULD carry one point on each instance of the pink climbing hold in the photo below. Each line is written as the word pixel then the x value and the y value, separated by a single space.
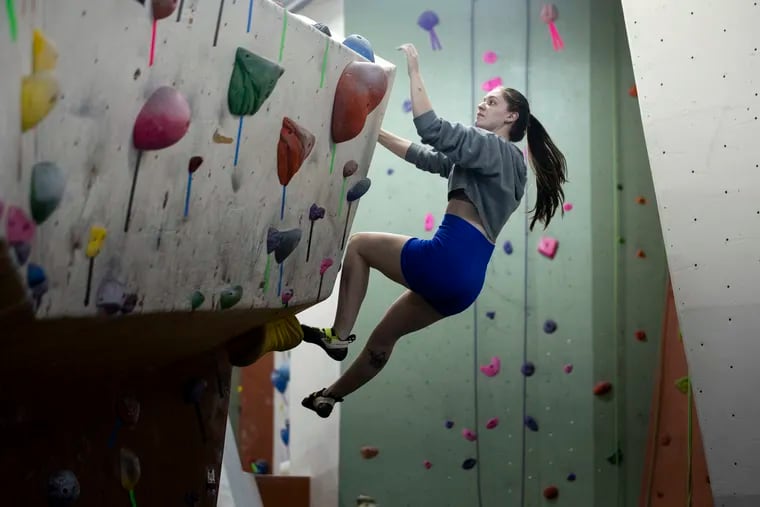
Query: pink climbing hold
pixel 490 57
pixel 567 206
pixel 429 222
pixel 492 368
pixel 325 265
pixel 548 246
pixel 568 368
pixel 163 120
pixel 492 423
pixel 428 465
pixel 19 228
pixel 470 435
pixel 492 83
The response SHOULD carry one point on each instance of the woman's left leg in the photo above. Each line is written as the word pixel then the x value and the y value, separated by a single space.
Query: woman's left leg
pixel 409 313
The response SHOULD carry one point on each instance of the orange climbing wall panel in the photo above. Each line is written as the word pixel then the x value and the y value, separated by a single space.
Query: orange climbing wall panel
pixel 665 480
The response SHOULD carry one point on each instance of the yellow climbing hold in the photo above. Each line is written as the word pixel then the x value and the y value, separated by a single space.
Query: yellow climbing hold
pixel 682 384
pixel 44 54
pixel 97 238
pixel 39 94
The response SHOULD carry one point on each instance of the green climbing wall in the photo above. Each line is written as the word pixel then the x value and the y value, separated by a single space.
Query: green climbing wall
pixel 596 289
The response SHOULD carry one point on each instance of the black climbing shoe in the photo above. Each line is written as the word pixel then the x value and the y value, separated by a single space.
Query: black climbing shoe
pixel 320 403
pixel 329 341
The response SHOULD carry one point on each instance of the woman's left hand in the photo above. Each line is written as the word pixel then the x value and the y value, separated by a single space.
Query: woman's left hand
pixel 412 57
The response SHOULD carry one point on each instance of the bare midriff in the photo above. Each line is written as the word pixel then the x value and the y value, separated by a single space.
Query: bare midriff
pixel 462 207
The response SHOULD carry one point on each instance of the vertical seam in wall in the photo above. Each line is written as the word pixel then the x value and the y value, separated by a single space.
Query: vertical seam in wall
pixel 525 271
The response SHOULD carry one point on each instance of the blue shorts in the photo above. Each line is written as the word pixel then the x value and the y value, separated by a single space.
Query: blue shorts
pixel 449 270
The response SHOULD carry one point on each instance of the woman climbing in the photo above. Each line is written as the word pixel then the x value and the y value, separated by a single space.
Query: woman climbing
pixel 444 275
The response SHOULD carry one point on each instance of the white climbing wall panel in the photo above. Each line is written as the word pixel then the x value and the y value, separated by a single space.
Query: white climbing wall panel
pixel 111 59
pixel 697 67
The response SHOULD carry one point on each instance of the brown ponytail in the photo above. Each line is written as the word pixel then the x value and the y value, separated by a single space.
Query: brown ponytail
pixel 548 162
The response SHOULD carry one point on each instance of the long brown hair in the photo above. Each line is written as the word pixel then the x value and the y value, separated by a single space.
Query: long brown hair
pixel 548 162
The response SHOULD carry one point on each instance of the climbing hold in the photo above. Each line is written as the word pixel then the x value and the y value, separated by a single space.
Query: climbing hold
pixel 549 15
pixel 111 294
pixel 230 297
pixel 548 247
pixel 280 377
pixel 406 106
pixel 640 335
pixel 130 471
pixel 389 171
pixel 44 54
pixel 315 213
pixel 350 168
pixel 571 477
pixel 528 369
pixel 323 28
pixel 551 492
pixel 325 265
pixel 633 91
pixel 568 368
pixel 129 303
pixel 531 423
pixel 428 465
pixel 162 121
pixel 365 501
pixel 47 185
pixel 468 434
pixel 18 227
pixel 508 248
pixel 550 326
pixel 369 452
pixel 36 280
pixel 449 424
pixel 492 423
pixel 428 20
pixel 641 199
pixel 62 488
pixel 39 94
pixel 682 384
pixel 360 188
pixel 665 440
pixel 491 315
pixel 252 81
pixel 220 138
pixel 360 45
pixel 492 368
pixel 360 89
pixel 282 243
pixel 293 148
pixel 287 295
pixel 260 466
pixel 429 222
pixel 469 463
pixel 615 458
pixel 640 253
pixel 22 252
pixel 285 434
pixel 492 83
pixel 601 388
pixel 163 8
pixel 567 206
pixel 490 57
pixel 96 240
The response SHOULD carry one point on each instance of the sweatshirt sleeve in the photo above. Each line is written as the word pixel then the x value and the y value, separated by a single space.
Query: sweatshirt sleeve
pixel 470 148
pixel 428 160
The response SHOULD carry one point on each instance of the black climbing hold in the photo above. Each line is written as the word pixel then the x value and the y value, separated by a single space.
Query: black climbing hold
pixel 528 369
pixel 571 477
pixel 288 241
pixel 62 489
pixel 449 424
pixel 531 423
pixel 469 463
pixel 323 28
pixel 550 326
pixel 360 188
pixel 129 304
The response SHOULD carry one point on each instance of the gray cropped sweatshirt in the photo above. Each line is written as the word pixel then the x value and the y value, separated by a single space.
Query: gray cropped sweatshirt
pixel 490 169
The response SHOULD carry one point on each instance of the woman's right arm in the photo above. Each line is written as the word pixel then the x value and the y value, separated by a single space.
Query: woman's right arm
pixel 423 158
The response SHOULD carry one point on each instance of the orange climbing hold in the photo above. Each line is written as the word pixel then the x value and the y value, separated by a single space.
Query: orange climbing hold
pixel 294 147
pixel 551 492
pixel 369 452
pixel 360 90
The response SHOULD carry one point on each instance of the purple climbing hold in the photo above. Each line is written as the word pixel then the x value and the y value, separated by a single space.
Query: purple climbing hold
pixel 550 326
pixel 528 369
pixel 508 248
pixel 449 424
pixel 428 20
pixel 531 423
pixel 469 463
pixel 407 106
pixel 390 171
pixel 491 315
pixel 316 212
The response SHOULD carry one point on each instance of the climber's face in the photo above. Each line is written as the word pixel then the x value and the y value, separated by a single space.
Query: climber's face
pixel 492 113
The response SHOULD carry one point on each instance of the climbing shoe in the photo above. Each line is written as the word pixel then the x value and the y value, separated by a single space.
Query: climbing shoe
pixel 320 403
pixel 330 342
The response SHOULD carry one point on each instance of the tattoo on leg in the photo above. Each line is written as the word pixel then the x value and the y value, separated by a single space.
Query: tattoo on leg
pixel 377 359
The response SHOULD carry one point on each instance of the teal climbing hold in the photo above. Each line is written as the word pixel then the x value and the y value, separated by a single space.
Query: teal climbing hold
pixel 230 297
pixel 48 184
pixel 196 300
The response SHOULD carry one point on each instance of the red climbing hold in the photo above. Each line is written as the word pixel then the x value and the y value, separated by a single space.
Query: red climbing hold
pixel 633 91
pixel 293 148
pixel 163 120
pixel 163 8
pixel 602 388
pixel 551 492
pixel 360 89
pixel 641 335
pixel 369 452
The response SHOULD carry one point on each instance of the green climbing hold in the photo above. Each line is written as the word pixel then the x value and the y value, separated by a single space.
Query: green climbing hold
pixel 230 297
pixel 48 184
pixel 682 384
pixel 253 80
pixel 197 299
pixel 615 458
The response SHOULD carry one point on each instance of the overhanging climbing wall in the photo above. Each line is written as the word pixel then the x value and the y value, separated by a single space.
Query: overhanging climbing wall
pixel 695 68
pixel 175 175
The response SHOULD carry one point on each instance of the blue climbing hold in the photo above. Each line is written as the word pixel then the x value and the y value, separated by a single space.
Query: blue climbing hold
pixel 508 248
pixel 35 275
pixel 469 463
pixel 285 433
pixel 550 326
pixel 407 106
pixel 360 45
pixel 449 424
pixel 491 315
pixel 528 369
pixel 571 477
pixel 280 377
pixel 390 171
pixel 531 423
